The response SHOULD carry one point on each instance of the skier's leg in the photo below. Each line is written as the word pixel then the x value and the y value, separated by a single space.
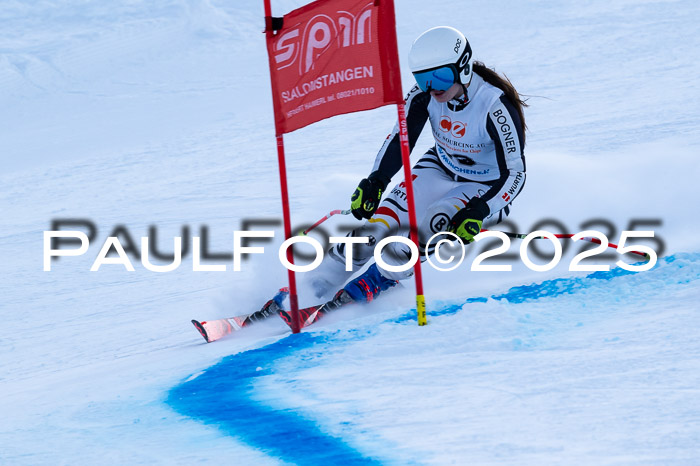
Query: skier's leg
pixel 434 220
pixel 331 273
pixel 430 182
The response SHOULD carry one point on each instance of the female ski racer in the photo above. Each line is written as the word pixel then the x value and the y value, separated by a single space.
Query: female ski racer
pixel 467 180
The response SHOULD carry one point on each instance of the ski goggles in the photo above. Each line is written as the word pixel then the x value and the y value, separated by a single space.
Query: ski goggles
pixel 440 78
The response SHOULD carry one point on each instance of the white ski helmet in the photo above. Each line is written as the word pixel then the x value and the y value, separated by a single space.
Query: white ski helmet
pixel 440 57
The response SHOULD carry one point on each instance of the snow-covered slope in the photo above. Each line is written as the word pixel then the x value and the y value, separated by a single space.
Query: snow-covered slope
pixel 159 114
pixel 551 373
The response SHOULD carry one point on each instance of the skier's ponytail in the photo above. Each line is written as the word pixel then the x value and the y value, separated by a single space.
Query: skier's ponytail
pixel 503 83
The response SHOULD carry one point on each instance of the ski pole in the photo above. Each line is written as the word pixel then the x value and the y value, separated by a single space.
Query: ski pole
pixel 329 215
pixel 566 235
pixel 507 233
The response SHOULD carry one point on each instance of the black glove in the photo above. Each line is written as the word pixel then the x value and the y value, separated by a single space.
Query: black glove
pixel 365 199
pixel 466 223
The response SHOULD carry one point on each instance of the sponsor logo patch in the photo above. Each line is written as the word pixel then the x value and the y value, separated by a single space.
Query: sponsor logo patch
pixel 445 124
pixel 439 222
pixel 457 128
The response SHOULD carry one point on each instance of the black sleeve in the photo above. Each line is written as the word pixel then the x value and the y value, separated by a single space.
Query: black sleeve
pixel 504 125
pixel 388 160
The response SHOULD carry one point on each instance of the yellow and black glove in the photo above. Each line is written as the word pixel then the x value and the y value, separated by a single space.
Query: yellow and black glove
pixel 365 199
pixel 466 223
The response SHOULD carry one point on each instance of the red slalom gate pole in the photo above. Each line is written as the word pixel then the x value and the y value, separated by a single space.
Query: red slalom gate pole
pixel 406 158
pixel 293 297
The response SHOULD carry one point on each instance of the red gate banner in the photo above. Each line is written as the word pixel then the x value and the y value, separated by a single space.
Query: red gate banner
pixel 332 57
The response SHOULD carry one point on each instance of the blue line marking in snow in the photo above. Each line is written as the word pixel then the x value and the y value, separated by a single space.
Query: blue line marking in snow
pixel 222 393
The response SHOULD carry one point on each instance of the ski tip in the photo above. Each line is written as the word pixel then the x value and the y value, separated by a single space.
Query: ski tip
pixel 201 329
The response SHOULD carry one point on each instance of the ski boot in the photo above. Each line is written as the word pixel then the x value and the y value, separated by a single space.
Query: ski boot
pixel 367 286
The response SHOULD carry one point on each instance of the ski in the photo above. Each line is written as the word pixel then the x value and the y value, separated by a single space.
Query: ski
pixel 213 330
pixel 311 314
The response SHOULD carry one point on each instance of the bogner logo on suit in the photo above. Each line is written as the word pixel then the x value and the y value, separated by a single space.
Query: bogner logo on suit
pixel 506 131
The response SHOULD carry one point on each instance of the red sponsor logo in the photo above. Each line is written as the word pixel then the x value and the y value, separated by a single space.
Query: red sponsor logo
pixel 457 128
pixel 445 124
pixel 506 197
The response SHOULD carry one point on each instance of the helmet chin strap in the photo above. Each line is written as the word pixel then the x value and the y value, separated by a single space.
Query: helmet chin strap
pixel 464 98
pixel 465 95
pixel 460 102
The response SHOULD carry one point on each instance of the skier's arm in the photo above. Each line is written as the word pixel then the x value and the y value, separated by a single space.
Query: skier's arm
pixel 505 127
pixel 388 160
